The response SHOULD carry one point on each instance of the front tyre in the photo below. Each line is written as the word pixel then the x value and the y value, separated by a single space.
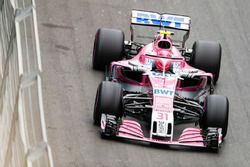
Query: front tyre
pixel 216 114
pixel 108 101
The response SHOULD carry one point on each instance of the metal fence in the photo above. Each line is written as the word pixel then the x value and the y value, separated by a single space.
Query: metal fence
pixel 23 139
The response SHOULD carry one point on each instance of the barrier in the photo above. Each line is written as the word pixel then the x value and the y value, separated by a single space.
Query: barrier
pixel 23 138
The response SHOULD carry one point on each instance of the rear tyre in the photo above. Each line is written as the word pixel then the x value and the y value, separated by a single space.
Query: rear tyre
pixel 216 114
pixel 108 101
pixel 207 56
pixel 108 47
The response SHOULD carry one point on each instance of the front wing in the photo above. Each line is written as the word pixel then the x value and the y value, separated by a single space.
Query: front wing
pixel 130 129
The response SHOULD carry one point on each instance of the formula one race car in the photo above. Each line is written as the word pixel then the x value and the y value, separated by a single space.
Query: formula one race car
pixel 160 92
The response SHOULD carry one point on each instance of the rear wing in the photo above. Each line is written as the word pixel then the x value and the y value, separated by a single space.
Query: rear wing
pixel 161 20
pixel 171 21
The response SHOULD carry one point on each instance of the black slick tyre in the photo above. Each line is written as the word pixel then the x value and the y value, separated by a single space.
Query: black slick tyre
pixel 216 114
pixel 108 47
pixel 207 57
pixel 108 101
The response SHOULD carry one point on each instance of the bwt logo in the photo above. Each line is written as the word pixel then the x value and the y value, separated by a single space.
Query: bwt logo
pixel 163 20
pixel 163 92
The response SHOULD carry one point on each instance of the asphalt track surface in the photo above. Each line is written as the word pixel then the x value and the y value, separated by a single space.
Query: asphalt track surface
pixel 67 29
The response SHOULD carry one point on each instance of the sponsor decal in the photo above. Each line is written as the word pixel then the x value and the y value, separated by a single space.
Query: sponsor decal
pixel 160 74
pixel 163 20
pixel 163 92
pixel 170 21
pixel 149 62
pixel 161 127
pixel 148 18
pixel 176 65
pixel 173 18
pixel 156 19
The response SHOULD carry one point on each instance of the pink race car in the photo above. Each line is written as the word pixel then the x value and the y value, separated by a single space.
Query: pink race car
pixel 160 92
